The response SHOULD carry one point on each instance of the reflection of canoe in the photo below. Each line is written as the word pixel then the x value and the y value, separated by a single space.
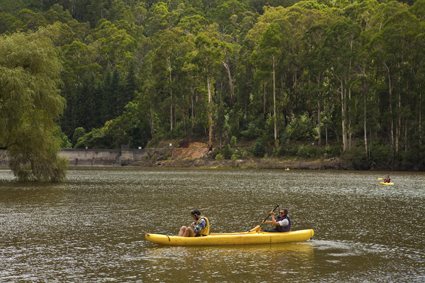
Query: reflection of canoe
pixel 243 238
pixel 387 184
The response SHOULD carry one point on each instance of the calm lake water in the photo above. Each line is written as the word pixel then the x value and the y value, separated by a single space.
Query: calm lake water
pixel 85 230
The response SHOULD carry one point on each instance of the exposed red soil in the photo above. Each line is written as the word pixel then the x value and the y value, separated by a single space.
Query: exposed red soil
pixel 190 150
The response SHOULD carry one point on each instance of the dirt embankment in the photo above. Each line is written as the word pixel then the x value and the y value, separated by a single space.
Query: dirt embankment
pixel 196 154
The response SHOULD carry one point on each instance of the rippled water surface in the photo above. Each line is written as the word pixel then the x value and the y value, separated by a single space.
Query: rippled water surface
pixel 91 227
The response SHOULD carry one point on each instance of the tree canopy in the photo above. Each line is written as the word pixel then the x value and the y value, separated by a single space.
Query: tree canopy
pixel 30 103
pixel 346 76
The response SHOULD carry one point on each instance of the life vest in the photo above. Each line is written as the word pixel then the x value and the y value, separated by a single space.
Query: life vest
pixel 206 230
pixel 387 180
pixel 281 228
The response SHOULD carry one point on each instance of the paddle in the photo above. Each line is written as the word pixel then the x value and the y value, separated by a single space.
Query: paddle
pixel 258 227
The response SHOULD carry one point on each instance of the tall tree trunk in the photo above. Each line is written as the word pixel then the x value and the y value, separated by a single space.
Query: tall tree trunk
pixel 326 129
pixel 209 112
pixel 283 101
pixel 296 94
pixel 349 118
pixel 152 122
pixel 274 101
pixel 221 134
pixel 318 111
pixel 420 118
pixel 398 130
pixel 370 140
pixel 390 110
pixel 343 114
pixel 264 99
pixel 229 74
pixel 193 107
pixel 406 141
pixel 171 95
pixel 364 118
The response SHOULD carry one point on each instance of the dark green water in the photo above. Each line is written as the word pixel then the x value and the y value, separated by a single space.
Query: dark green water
pixel 81 230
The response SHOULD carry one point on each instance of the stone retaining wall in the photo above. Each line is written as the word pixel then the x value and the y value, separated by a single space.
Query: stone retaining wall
pixel 91 157
pixel 120 157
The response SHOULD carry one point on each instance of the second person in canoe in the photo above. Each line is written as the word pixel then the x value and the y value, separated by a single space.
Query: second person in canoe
pixel 282 222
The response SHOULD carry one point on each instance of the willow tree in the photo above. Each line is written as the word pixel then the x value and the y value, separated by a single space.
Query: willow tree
pixel 29 105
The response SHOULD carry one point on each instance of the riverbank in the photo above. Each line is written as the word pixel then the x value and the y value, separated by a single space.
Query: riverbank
pixel 186 154
pixel 251 163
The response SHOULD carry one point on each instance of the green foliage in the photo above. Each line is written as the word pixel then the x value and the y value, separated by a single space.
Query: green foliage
pixel 380 154
pixel 301 128
pixel 259 148
pixel 78 133
pixel 94 139
pixel 227 152
pixel 358 158
pixel 254 129
pixel 233 141
pixel 178 131
pixel 219 157
pixel 30 103
pixel 65 142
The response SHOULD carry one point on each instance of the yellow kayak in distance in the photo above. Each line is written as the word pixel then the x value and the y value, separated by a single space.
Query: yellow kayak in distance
pixel 241 238
pixel 387 184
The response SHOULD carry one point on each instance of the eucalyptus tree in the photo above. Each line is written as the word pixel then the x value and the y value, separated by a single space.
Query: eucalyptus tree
pixel 340 50
pixel 158 19
pixel 149 95
pixel 399 34
pixel 306 70
pixel 313 40
pixel 228 15
pixel 388 58
pixel 208 57
pixel 269 45
pixel 113 44
pixel 418 62
pixel 168 63
pixel 30 104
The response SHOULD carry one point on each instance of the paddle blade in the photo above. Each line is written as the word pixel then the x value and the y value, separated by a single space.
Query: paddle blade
pixel 256 229
pixel 379 178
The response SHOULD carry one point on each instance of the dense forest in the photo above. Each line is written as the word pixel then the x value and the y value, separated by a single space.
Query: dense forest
pixel 311 79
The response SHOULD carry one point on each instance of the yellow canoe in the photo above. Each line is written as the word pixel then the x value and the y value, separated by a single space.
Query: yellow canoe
pixel 387 184
pixel 242 238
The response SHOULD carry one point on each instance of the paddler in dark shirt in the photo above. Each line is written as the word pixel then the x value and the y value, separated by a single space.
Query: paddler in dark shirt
pixel 282 222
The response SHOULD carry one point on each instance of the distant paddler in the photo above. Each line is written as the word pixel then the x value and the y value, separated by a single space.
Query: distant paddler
pixel 387 180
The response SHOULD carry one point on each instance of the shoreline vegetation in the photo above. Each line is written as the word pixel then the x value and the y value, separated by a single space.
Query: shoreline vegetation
pixel 193 154
pixel 251 163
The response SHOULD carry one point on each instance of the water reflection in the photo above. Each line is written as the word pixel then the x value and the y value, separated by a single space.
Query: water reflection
pixel 235 262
